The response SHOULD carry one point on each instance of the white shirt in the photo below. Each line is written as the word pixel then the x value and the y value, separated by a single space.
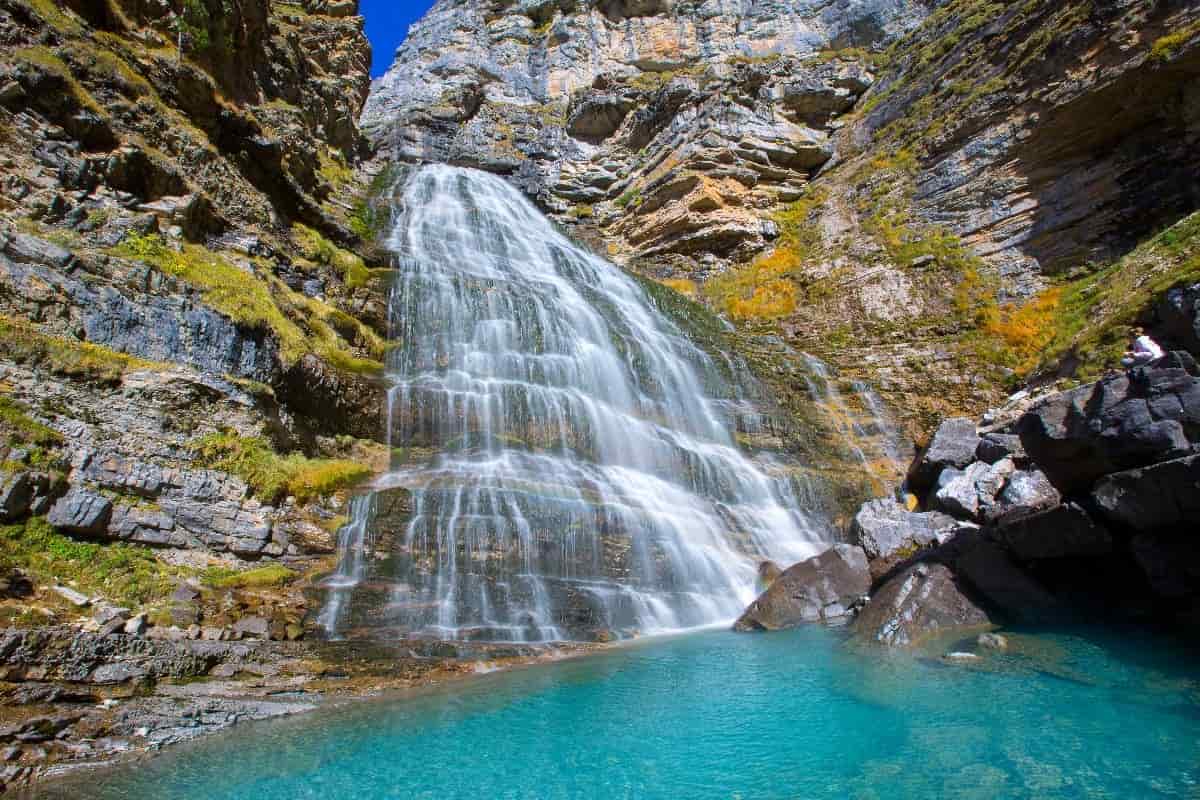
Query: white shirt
pixel 1145 346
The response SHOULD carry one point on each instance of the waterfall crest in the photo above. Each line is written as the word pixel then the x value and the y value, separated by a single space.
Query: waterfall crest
pixel 570 455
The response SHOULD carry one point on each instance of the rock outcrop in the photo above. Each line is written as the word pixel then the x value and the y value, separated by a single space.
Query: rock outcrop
pixel 921 602
pixel 824 588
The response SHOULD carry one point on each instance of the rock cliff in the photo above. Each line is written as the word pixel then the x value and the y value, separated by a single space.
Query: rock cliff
pixel 884 184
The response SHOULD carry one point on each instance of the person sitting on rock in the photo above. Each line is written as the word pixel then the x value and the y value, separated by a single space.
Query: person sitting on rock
pixel 1143 351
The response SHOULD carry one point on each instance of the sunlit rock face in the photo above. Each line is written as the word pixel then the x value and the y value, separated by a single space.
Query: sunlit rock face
pixel 690 119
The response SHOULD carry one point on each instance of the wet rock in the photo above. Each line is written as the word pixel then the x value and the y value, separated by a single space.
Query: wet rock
pixel 920 602
pixel 81 511
pixel 992 641
pixel 1160 496
pixel 825 587
pixel 1066 531
pixel 885 529
pixel 1131 420
pixel 953 445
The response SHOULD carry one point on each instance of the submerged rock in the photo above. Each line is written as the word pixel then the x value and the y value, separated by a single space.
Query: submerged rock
pixel 825 587
pixel 922 601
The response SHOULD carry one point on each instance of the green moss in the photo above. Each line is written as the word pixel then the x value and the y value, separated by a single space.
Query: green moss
pixel 23 429
pixel 1165 47
pixel 123 573
pixel 273 476
pixel 582 211
pixel 82 360
pixel 631 197
pixel 271 575
pixel 316 247
pixel 258 302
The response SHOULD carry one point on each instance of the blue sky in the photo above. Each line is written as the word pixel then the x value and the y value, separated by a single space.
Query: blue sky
pixel 387 22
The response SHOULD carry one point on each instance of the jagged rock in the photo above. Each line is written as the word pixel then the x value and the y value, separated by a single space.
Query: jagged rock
pixel 884 529
pixel 1063 532
pixel 81 511
pixel 825 587
pixel 971 493
pixel 995 447
pixel 1163 495
pixel 920 602
pixel 1147 415
pixel 953 445
pixel 1025 492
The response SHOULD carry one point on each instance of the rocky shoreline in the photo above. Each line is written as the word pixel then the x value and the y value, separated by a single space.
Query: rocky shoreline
pixel 76 700
pixel 1078 505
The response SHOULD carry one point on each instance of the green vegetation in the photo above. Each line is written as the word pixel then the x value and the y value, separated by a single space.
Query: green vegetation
pixel 322 251
pixel 1165 47
pixel 631 197
pixel 1093 315
pixel 272 476
pixel 261 302
pixel 269 576
pixel 81 360
pixel 582 211
pixel 124 573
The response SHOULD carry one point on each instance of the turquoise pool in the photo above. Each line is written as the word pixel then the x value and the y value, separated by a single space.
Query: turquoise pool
pixel 720 715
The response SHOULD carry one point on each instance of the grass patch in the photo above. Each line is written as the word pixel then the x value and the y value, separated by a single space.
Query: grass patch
pixel 320 250
pixel 123 573
pixel 1165 47
pixel 272 476
pixel 266 577
pixel 259 302
pixel 24 344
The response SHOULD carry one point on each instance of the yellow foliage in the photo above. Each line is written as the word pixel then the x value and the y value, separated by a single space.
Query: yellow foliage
pixel 771 300
pixel 1027 329
pixel 681 285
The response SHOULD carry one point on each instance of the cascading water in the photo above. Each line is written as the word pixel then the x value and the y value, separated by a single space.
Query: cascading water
pixel 570 453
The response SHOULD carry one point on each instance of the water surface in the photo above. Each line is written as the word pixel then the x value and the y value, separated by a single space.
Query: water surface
pixel 720 715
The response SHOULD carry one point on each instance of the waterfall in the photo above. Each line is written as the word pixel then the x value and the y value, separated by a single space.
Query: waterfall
pixel 570 454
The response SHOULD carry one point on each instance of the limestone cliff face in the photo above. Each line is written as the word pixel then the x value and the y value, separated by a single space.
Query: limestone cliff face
pixel 882 183
pixel 189 332
pixel 676 125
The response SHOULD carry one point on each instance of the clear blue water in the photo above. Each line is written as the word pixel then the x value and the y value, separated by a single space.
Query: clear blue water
pixel 719 715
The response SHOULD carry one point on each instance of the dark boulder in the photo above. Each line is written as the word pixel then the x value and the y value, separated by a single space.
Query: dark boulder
pixel 1171 564
pixel 825 587
pixel 920 602
pixel 995 447
pixel 884 528
pixel 1164 495
pixel 81 511
pixel 1178 313
pixel 1062 532
pixel 1130 420
pixel 992 573
pixel 16 494
pixel 953 445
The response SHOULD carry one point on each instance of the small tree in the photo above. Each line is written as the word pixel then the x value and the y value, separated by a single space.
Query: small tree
pixel 190 24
